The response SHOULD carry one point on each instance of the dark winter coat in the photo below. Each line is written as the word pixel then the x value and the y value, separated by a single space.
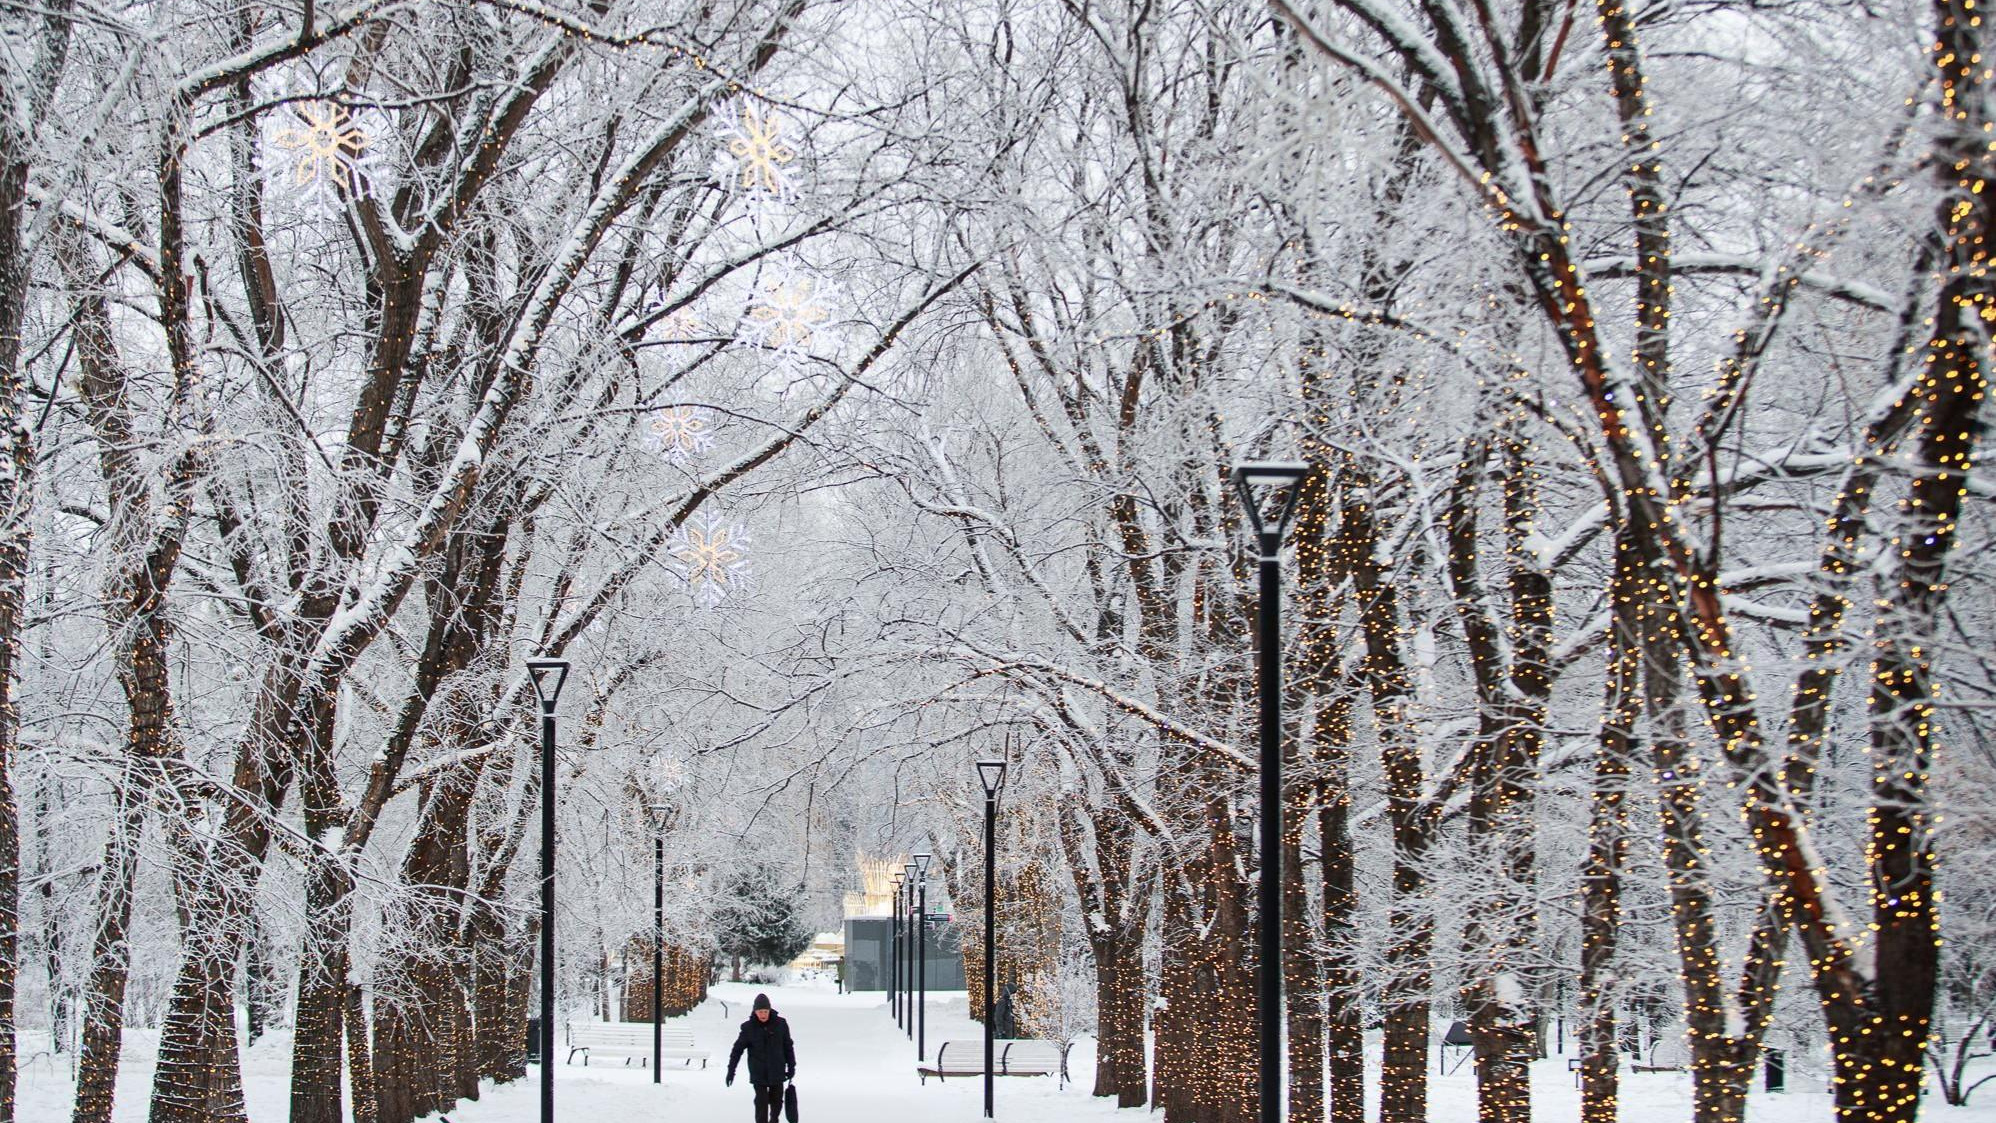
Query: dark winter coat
pixel 771 1059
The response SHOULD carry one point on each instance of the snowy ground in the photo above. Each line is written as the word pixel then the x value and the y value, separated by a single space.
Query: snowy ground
pixel 854 1066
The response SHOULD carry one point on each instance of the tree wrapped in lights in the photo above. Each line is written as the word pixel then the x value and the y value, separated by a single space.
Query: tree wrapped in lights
pixel 1877 998
pixel 686 972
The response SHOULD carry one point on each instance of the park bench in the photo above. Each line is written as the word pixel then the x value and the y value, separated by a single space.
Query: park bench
pixel 631 1040
pixel 1020 1057
pixel 1663 1057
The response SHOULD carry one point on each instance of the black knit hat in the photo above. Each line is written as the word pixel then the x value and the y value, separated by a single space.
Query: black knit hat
pixel 762 1002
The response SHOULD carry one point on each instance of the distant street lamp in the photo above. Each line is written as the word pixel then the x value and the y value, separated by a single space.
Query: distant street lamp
pixel 894 975
pixel 548 677
pixel 1255 480
pixel 992 774
pixel 662 811
pixel 908 981
pixel 922 958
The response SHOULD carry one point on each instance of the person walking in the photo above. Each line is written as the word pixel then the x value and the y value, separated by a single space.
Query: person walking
pixel 772 1059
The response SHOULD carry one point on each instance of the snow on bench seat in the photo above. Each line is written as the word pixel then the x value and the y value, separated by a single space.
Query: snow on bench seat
pixel 1016 1057
pixel 631 1040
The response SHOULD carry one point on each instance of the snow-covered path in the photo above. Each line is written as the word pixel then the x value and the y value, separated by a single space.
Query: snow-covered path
pixel 853 1066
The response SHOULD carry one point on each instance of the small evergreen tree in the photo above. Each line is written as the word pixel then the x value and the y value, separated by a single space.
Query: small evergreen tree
pixel 761 919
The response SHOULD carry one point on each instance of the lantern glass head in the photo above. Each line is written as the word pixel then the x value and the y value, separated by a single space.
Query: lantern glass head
pixel 922 866
pixel 1255 479
pixel 1271 473
pixel 992 774
pixel 548 677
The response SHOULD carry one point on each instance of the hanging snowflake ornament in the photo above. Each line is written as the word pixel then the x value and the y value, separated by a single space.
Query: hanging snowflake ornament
pixel 677 326
pixel 756 158
pixel 786 310
pixel 680 433
pixel 712 557
pixel 334 150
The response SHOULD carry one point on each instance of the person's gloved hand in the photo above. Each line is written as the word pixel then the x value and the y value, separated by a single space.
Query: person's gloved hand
pixel 790 1073
pixel 731 1078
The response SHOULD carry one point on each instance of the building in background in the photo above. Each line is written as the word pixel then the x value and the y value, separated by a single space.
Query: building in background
pixel 869 930
pixel 827 951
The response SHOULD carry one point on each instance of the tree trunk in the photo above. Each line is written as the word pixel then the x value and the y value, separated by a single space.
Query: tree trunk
pixel 1405 995
pixel 30 96
pixel 1122 1069
pixel 1607 848
pixel 1502 1019
pixel 1323 566
pixel 259 986
pixel 1720 1067
pixel 317 1057
pixel 14 498
pixel 1205 1070
pixel 200 1069
pixel 1114 901
pixel 1303 985
pixel 360 1052
pixel 1344 1032
pixel 1878 1039
pixel 423 1035
pixel 110 960
pixel 199 1079
pixel 319 1048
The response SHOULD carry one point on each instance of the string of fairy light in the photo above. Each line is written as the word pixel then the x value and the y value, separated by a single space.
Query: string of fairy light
pixel 684 970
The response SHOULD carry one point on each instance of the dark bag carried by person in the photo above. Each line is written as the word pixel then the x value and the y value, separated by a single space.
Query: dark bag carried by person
pixel 790 1103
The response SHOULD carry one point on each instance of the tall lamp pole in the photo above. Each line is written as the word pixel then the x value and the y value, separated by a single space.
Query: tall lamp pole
pixel 662 814
pixel 894 974
pixel 922 958
pixel 1255 480
pixel 908 981
pixel 992 774
pixel 548 677
pixel 657 956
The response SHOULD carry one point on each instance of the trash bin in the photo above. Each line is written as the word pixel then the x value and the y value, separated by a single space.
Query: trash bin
pixel 533 1040
pixel 1776 1070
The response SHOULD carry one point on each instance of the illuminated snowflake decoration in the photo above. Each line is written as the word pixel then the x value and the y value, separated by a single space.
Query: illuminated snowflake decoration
pixel 334 151
pixel 712 557
pixel 680 433
pixel 786 310
pixel 757 158
pixel 675 327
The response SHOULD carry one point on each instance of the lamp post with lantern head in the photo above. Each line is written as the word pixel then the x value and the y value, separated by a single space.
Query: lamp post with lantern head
pixel 894 964
pixel 663 811
pixel 1256 480
pixel 991 773
pixel 908 942
pixel 922 957
pixel 548 677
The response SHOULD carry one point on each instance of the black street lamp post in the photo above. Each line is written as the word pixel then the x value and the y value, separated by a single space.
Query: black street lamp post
pixel 908 981
pixel 662 812
pixel 894 975
pixel 548 676
pixel 922 958
pixel 657 955
pixel 992 774
pixel 1254 479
